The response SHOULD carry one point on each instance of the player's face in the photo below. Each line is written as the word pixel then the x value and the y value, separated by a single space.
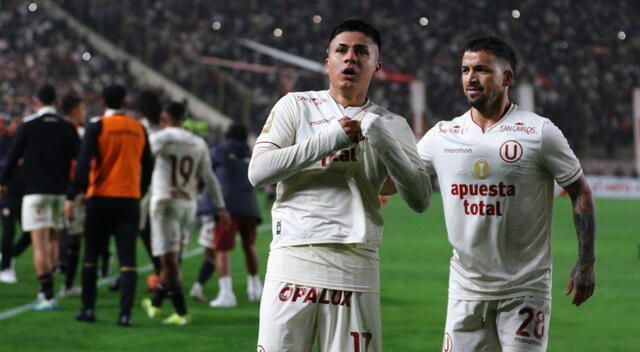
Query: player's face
pixel 485 79
pixel 78 114
pixel 352 60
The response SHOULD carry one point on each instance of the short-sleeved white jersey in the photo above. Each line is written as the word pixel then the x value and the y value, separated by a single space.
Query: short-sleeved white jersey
pixel 334 200
pixel 497 190
pixel 180 156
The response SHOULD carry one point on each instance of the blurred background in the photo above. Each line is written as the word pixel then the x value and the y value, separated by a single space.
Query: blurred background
pixel 231 60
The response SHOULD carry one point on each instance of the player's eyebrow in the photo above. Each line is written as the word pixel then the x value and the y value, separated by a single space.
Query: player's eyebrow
pixel 355 46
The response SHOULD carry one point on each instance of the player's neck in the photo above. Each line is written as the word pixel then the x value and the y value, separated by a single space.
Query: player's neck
pixel 348 97
pixel 490 115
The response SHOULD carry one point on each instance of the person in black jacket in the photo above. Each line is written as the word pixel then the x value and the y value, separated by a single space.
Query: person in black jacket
pixel 10 206
pixel 231 162
pixel 47 144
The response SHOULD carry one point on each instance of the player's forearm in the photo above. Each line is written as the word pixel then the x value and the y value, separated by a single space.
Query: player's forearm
pixel 215 190
pixel 270 163
pixel 409 174
pixel 584 221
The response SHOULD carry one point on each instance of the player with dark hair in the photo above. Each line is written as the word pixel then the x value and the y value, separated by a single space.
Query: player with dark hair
pixel 150 106
pixel 180 157
pixel 331 152
pixel 231 163
pixel 496 166
pixel 47 144
pixel 74 110
pixel 114 169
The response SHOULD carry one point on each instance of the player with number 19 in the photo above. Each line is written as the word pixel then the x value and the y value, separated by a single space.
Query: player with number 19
pixel 180 156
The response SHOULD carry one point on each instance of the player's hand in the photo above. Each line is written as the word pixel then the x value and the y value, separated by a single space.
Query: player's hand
pixel 68 210
pixel 582 282
pixel 3 191
pixel 351 128
pixel 224 217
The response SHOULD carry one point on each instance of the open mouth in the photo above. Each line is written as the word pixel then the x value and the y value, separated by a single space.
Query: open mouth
pixel 349 72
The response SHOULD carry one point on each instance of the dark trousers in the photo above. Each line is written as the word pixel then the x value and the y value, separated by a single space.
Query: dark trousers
pixel 108 216
pixel 10 209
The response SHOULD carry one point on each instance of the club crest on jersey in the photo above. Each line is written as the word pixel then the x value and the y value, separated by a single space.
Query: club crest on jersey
pixel 511 151
pixel 481 168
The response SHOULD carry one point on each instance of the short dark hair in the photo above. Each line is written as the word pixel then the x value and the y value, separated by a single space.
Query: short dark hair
pixel 69 102
pixel 113 96
pixel 46 94
pixel 149 105
pixel 236 131
pixel 494 46
pixel 356 25
pixel 176 111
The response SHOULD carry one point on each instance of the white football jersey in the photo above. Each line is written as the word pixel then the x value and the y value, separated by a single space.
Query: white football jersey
pixel 180 156
pixel 326 218
pixel 497 190
pixel 335 199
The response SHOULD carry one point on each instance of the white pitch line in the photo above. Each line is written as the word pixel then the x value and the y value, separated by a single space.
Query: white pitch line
pixel 106 280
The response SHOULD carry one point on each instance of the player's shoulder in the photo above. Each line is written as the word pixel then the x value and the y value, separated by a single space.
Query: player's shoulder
pixel 384 112
pixel 525 121
pixel 310 97
pixel 455 125
pixel 527 116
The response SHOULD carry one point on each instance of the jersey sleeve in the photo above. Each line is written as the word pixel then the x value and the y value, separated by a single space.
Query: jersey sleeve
pixel 425 147
pixel 557 155
pixel 282 123
pixel 395 145
pixel 210 179
pixel 275 156
pixel 156 142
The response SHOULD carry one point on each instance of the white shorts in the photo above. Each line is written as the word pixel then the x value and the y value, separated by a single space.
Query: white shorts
pixel 291 316
pixel 207 231
pixel 171 224
pixel 75 227
pixel 509 325
pixel 41 211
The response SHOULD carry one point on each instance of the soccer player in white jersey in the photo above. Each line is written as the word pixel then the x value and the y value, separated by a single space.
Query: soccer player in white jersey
pixel 180 156
pixel 496 165
pixel 330 153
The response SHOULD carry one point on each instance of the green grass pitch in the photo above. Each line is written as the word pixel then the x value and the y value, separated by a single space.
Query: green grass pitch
pixel 415 256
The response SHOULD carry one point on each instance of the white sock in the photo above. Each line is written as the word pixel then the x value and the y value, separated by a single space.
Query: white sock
pixel 255 280
pixel 225 284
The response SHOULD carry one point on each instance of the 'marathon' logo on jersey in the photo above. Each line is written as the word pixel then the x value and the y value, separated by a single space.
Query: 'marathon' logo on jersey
pixel 483 208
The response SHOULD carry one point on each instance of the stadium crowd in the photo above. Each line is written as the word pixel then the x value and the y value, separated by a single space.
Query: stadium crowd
pixel 578 55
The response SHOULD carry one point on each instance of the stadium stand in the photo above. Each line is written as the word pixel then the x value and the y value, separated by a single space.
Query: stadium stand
pixel 577 55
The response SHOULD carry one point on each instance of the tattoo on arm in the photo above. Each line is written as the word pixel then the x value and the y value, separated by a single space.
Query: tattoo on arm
pixel 584 221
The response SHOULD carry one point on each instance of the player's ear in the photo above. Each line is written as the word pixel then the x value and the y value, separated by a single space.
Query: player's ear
pixel 507 78
pixel 378 66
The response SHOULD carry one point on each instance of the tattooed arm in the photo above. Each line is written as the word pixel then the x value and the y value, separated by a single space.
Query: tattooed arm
pixel 582 281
